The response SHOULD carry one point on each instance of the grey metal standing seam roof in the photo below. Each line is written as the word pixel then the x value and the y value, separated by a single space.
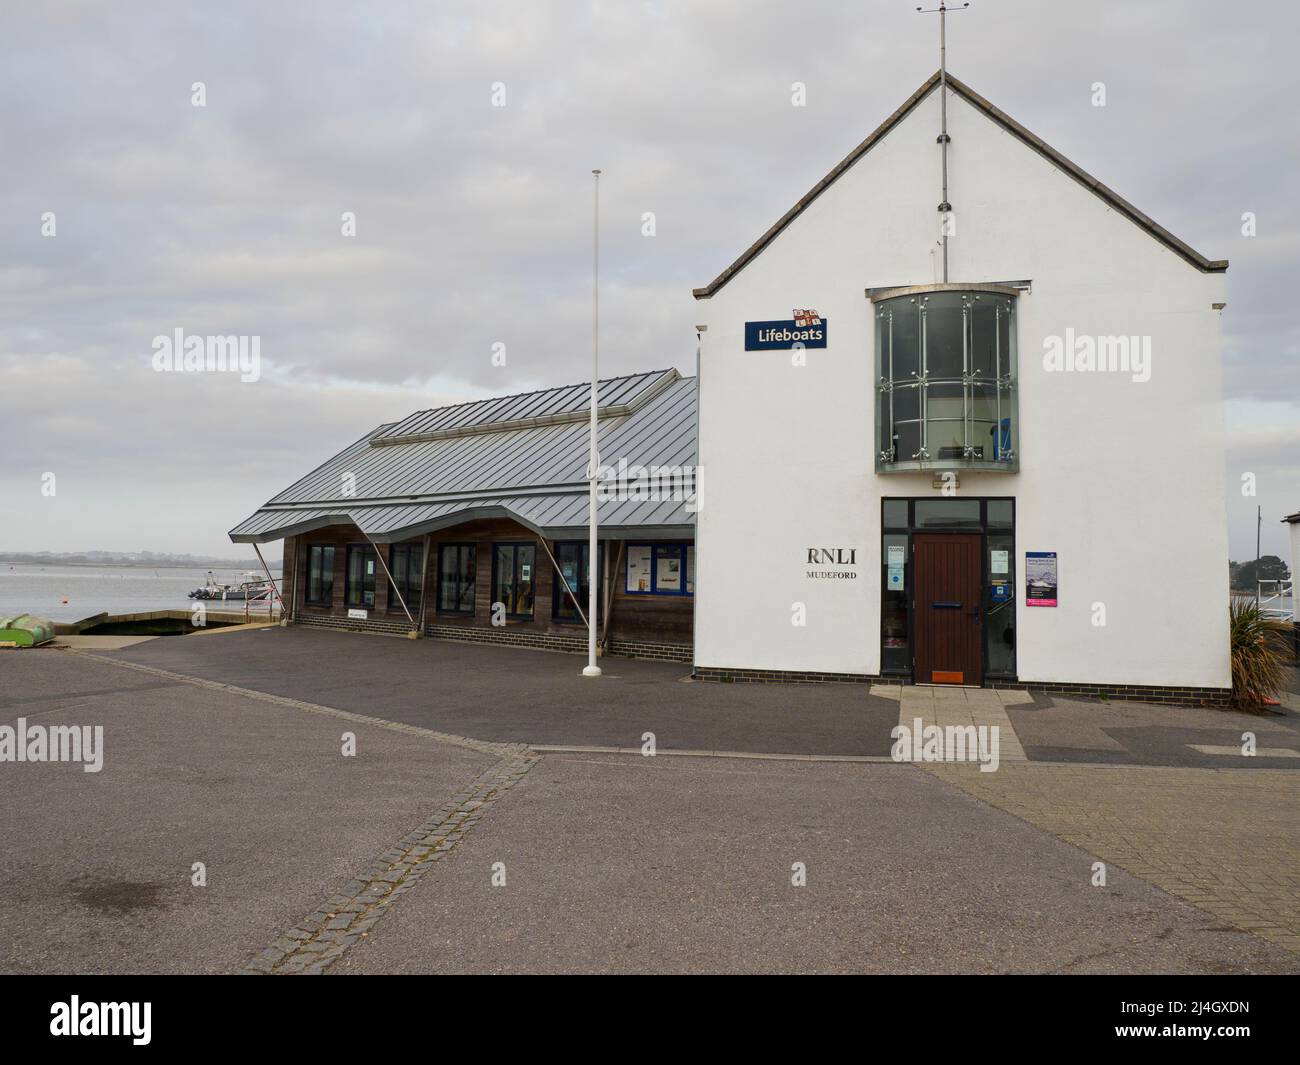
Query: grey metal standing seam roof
pixel 523 457
pixel 618 395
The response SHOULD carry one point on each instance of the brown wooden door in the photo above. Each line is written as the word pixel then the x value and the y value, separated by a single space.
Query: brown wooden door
pixel 948 622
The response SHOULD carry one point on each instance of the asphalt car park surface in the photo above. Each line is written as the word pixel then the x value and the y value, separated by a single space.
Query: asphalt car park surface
pixel 510 694
pixel 97 869
pixel 518 695
pixel 593 861
pixel 629 864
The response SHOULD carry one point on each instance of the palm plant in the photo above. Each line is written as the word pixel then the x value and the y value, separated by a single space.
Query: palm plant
pixel 1259 655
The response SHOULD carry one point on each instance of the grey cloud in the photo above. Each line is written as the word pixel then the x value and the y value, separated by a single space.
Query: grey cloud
pixel 473 222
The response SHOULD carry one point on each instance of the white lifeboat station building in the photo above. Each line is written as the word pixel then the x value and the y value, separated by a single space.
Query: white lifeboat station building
pixel 973 438
pixel 957 420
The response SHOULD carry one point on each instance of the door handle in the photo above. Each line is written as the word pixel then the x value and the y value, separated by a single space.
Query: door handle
pixel 945 604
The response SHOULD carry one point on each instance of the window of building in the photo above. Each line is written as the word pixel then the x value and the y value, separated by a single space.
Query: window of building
pixel 660 569
pixel 514 577
pixel 456 565
pixel 359 589
pixel 1000 604
pixel 571 556
pixel 320 574
pixel 939 514
pixel 1001 514
pixel 406 563
pixel 895 595
pixel 946 367
pixel 894 514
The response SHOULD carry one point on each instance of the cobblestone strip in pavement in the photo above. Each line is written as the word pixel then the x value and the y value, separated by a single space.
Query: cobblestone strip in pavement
pixel 320 938
pixel 1225 840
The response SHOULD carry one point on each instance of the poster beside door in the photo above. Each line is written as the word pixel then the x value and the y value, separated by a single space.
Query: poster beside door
pixel 1040 578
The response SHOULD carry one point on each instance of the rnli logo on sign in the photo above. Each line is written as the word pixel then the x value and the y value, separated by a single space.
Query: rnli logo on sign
pixel 806 329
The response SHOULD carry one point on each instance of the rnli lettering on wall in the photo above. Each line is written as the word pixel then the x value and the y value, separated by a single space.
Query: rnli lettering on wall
pixel 806 328
pixel 830 563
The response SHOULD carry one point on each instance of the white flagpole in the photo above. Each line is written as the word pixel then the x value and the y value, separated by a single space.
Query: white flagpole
pixel 593 670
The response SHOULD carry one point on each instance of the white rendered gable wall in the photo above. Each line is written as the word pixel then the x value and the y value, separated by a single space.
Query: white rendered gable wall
pixel 1125 481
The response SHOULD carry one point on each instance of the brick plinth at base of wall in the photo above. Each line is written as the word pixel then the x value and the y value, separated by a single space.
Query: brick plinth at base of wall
pixel 330 621
pixel 660 652
pixel 547 641
pixel 785 676
pixel 508 637
pixel 1141 693
pixel 1136 693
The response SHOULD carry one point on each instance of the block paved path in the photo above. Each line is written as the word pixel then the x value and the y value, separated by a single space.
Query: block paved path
pixel 1227 841
pixel 962 707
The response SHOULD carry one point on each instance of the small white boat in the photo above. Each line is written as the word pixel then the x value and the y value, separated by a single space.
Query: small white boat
pixel 249 586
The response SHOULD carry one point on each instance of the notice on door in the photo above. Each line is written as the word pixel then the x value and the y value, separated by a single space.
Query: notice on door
pixel 895 559
pixel 668 569
pixel 638 569
pixel 1040 578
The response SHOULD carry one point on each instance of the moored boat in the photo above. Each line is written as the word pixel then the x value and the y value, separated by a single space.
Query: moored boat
pixel 249 585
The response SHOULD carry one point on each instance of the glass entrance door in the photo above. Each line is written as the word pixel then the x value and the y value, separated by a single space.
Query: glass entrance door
pixel 986 526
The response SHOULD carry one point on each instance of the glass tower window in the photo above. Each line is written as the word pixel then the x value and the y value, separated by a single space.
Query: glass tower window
pixel 946 371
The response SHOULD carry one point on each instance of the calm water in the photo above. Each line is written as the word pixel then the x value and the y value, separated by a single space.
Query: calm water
pixel 41 589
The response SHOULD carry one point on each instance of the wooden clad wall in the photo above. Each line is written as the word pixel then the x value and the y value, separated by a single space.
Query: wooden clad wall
pixel 651 618
pixel 484 535
pixel 644 618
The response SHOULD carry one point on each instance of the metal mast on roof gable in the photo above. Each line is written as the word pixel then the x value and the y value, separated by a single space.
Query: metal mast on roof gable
pixel 945 208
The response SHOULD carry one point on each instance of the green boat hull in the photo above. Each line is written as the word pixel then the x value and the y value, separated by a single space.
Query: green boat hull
pixel 24 630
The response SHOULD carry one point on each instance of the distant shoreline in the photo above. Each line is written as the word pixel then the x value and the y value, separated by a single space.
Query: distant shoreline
pixel 250 564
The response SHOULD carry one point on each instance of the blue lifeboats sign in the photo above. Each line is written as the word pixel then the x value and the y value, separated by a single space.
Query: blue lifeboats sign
pixel 807 329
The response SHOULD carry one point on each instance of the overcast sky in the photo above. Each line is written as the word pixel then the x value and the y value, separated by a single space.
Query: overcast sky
pixel 473 221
